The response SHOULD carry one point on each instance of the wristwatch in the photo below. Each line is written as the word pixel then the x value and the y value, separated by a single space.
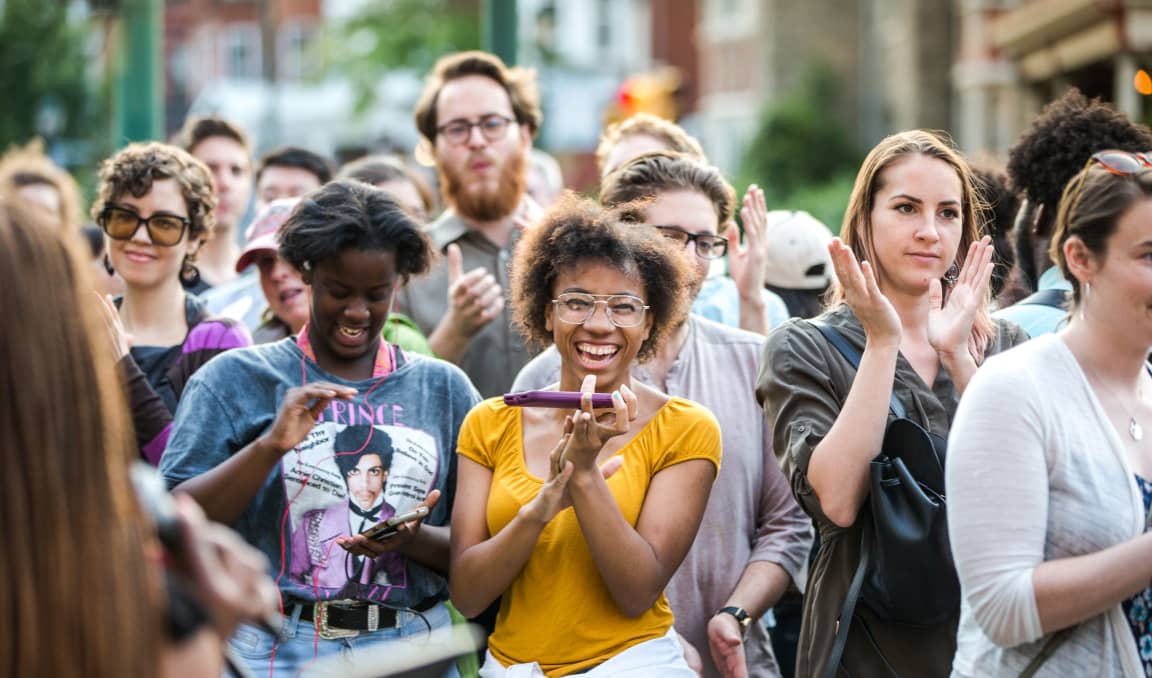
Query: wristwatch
pixel 741 616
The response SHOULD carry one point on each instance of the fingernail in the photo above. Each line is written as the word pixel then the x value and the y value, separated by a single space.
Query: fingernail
pixel 616 395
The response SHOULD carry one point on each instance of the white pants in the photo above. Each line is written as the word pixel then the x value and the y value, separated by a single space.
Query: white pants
pixel 664 655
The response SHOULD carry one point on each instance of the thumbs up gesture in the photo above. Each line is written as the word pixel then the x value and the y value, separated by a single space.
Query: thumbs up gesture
pixel 474 298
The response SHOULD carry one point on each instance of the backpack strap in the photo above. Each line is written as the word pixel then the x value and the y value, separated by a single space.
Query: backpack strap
pixel 837 339
pixel 1050 646
pixel 1054 298
pixel 832 664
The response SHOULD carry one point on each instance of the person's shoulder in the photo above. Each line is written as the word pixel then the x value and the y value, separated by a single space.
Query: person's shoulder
pixel 688 413
pixel 429 367
pixel 446 229
pixel 713 332
pixel 1026 366
pixel 245 362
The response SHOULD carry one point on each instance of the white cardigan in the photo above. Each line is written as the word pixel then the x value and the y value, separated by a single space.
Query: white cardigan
pixel 1035 472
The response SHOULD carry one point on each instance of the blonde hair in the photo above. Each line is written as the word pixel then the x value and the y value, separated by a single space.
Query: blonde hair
pixel 28 166
pixel 856 230
pixel 80 593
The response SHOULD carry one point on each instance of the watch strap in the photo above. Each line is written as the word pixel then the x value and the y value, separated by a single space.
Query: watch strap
pixel 740 614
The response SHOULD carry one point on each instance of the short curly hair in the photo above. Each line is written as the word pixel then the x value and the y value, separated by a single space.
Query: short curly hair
pixel 1062 138
pixel 579 230
pixel 133 169
pixel 347 214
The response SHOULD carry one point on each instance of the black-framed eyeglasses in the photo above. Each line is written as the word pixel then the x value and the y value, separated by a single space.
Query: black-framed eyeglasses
pixel 165 230
pixel 707 246
pixel 493 126
pixel 576 308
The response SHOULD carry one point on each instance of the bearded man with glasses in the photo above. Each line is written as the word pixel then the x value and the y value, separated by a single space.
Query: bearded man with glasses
pixel 477 118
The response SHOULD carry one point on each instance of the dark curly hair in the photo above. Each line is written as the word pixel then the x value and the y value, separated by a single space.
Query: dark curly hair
pixel 1052 151
pixel 346 214
pixel 578 230
pixel 1000 206
pixel 134 168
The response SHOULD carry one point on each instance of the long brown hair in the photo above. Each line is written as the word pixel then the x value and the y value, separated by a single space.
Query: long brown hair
pixel 79 595
pixel 856 230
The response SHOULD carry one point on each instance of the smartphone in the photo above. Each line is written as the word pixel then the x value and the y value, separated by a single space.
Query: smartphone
pixel 559 399
pixel 381 531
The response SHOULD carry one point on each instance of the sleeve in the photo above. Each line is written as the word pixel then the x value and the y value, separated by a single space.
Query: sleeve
pixel 796 388
pixel 203 434
pixel 472 443
pixel 783 532
pixel 697 438
pixel 540 372
pixel 150 416
pixel 997 487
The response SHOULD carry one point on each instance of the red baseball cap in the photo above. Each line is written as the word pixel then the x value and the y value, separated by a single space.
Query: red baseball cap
pixel 262 234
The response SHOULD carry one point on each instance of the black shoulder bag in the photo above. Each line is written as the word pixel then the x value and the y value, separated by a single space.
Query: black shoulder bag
pixel 906 573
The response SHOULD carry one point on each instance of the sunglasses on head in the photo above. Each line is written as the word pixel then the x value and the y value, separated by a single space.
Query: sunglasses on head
pixel 1121 162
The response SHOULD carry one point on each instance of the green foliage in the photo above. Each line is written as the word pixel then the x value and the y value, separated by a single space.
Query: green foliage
pixel 44 74
pixel 395 34
pixel 801 154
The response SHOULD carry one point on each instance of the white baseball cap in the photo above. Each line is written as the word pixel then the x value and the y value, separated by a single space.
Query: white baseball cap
pixel 798 256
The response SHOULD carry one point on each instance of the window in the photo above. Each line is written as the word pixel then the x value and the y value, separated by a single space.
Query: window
pixel 241 48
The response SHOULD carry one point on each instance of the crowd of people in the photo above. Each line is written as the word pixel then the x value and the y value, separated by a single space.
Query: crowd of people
pixel 751 448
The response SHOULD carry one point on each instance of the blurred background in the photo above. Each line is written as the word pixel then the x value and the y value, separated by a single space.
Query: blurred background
pixel 785 93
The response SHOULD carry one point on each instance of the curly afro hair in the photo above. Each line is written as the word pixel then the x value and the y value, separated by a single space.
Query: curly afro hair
pixel 1062 139
pixel 578 230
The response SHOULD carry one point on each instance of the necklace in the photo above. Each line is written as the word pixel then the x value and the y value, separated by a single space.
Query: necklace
pixel 1135 430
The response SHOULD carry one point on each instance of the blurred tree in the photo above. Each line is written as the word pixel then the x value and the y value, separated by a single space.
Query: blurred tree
pixel 409 34
pixel 45 88
pixel 802 150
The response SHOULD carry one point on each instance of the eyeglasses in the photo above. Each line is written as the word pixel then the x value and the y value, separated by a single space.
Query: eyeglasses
pixel 576 308
pixel 165 230
pixel 707 246
pixel 494 128
pixel 1120 163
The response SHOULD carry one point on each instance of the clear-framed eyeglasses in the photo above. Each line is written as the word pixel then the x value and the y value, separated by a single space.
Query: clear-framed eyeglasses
pixel 576 308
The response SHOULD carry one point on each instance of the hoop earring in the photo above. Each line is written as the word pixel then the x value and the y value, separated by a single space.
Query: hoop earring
pixel 108 265
pixel 951 275
pixel 189 274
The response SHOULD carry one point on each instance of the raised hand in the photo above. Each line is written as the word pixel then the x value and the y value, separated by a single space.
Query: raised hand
pixel 120 340
pixel 474 298
pixel 300 410
pixel 862 294
pixel 746 262
pixel 553 496
pixel 950 324
pixel 589 432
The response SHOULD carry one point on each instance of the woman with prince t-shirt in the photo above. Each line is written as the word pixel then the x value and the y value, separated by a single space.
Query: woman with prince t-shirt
pixel 303 442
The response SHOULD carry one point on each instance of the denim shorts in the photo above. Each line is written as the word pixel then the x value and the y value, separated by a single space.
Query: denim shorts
pixel 299 645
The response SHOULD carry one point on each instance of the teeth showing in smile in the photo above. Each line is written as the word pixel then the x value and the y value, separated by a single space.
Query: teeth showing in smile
pixel 351 333
pixel 598 351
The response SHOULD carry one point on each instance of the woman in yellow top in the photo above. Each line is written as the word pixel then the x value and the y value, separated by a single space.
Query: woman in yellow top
pixel 579 518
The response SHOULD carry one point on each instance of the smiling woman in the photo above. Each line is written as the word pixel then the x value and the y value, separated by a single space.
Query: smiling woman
pixel 313 439
pixel 156 209
pixel 606 502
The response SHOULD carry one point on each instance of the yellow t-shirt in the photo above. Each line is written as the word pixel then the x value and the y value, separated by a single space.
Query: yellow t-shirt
pixel 558 611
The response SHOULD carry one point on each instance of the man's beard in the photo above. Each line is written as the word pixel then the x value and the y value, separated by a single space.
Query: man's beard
pixel 487 205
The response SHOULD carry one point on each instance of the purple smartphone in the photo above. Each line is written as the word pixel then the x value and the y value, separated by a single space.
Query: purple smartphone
pixel 558 399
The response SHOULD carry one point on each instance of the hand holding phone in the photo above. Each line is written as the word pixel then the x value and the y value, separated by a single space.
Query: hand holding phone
pixel 388 528
pixel 556 399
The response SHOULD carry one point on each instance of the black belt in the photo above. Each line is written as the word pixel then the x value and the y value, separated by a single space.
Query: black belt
pixel 358 616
